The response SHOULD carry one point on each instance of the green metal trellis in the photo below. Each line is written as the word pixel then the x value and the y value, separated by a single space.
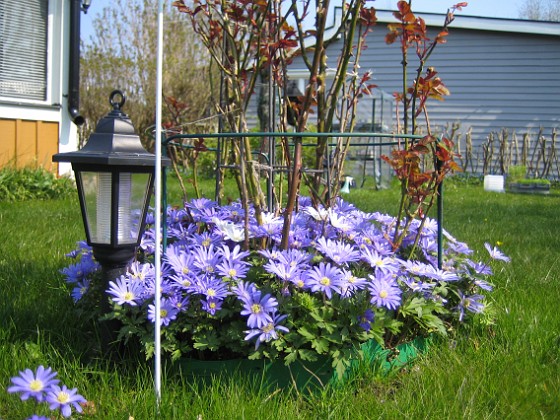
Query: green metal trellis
pixel 272 168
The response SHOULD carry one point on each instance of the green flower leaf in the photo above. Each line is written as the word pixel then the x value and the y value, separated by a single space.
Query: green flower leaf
pixel 304 331
pixel 307 355
pixel 321 345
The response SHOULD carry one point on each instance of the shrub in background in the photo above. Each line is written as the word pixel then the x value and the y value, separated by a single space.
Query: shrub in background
pixel 33 184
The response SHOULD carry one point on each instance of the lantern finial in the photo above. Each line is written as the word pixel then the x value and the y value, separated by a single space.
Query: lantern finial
pixel 117 99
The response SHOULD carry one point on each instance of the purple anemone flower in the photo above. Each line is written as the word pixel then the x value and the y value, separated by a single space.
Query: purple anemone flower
pixel 64 399
pixel 180 261
pixel 202 209
pixel 211 287
pixel 211 305
pixel 260 310
pixel 350 284
pixel 181 232
pixel 484 285
pixel 268 331
pixel 175 215
pixel 233 265
pixel 83 249
pixel 459 247
pixel 234 254
pixel 179 302
pixel 284 271
pixel 139 272
pixel 206 239
pixel 441 275
pixel 201 203
pixel 343 206
pixel 415 268
pixel 80 290
pixel 74 273
pixel 471 303
pixel 206 259
pixel 366 319
pixel 295 258
pixel 384 293
pixel 232 269
pixel 33 384
pixel 324 278
pixel 125 291
pixel 416 285
pixel 168 312
pixel 270 254
pixel 271 226
pixel 244 291
pixel 338 251
pixel 379 262
pixel 480 268
pixel 148 242
pixel 233 212
pixel 181 282
pixel 496 254
pixel 80 271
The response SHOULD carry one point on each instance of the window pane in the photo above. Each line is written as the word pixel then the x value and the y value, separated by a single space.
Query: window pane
pixel 23 49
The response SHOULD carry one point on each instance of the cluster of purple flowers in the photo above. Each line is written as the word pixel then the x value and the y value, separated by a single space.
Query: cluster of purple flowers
pixel 43 386
pixel 337 253
pixel 262 314
pixel 78 275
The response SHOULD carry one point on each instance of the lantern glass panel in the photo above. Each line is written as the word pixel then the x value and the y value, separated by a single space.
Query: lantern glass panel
pixel 131 199
pixel 133 194
pixel 97 193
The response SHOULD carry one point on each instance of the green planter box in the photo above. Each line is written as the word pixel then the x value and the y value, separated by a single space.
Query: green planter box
pixel 303 375
pixel 529 188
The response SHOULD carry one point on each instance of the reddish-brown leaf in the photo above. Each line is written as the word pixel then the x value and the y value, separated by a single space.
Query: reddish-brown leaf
pixel 199 145
pixel 367 16
pixel 180 5
pixel 440 38
pixel 403 7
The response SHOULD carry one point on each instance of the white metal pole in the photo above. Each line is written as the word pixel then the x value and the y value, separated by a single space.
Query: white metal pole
pixel 157 210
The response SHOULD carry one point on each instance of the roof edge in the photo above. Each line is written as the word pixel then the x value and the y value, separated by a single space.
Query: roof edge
pixel 464 22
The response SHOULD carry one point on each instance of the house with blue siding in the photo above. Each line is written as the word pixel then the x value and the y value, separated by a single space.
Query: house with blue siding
pixel 502 73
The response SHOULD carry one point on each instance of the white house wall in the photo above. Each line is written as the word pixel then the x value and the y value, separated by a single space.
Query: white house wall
pixel 54 108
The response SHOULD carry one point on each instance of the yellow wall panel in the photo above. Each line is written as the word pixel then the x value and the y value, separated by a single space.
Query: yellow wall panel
pixel 25 143
pixel 7 142
pixel 47 144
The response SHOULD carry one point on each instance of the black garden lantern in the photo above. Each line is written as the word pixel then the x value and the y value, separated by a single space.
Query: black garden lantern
pixel 114 177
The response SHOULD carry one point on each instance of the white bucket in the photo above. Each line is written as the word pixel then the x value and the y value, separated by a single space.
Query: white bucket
pixel 494 183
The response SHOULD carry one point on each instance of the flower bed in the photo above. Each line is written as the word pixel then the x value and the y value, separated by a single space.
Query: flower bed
pixel 340 284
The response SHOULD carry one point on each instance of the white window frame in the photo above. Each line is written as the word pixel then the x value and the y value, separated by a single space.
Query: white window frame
pixel 54 60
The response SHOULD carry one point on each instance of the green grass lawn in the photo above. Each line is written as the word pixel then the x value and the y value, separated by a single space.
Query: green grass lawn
pixel 507 370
